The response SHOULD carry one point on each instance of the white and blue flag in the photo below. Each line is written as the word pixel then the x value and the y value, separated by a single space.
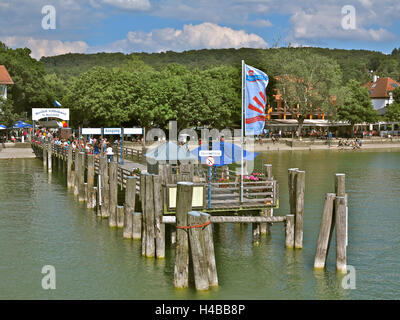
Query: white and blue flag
pixel 57 104
pixel 256 83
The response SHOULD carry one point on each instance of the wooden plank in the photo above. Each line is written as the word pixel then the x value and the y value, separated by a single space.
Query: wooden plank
pixel 341 236
pixel 170 219
pixel 324 232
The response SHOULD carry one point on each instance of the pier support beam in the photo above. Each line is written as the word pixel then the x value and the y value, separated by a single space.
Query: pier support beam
pixel 91 197
pixel 105 187
pixel 50 158
pixel 300 189
pixel 112 222
pixel 183 206
pixel 70 173
pixel 81 177
pixel 158 214
pixel 130 195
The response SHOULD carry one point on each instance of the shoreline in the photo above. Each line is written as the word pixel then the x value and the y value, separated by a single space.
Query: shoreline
pixel 283 147
pixel 16 153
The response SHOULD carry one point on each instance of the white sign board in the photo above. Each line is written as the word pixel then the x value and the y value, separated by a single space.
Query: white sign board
pixel 133 131
pixel 112 131
pixel 210 153
pixel 91 130
pixel 59 113
pixel 210 161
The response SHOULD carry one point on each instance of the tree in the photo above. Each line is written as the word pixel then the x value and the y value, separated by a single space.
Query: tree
pixel 8 116
pixel 308 84
pixel 393 110
pixel 357 105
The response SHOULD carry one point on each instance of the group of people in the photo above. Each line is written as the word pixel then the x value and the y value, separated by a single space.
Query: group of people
pixel 90 146
pixel 354 144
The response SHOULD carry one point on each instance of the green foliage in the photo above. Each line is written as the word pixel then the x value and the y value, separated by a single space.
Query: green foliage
pixel 8 116
pixel 309 82
pixel 357 106
pixel 32 86
pixel 393 110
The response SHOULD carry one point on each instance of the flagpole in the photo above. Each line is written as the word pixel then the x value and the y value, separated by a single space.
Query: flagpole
pixel 242 137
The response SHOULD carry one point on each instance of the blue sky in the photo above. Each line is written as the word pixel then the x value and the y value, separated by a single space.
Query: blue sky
pixel 89 26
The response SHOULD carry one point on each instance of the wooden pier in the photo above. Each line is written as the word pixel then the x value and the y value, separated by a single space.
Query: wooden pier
pixel 179 199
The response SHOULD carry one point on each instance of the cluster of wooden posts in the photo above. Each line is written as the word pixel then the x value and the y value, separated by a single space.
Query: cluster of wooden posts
pixel 192 232
pixel 335 214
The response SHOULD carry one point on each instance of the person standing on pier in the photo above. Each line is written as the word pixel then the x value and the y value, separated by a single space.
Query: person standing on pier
pixel 110 153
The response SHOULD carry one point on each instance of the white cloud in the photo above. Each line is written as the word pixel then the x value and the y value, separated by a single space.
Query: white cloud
pixel 261 23
pixel 129 4
pixel 203 36
pixel 325 23
pixel 42 47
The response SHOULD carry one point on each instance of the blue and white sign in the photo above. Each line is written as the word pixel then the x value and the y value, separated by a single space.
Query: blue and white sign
pixel 108 131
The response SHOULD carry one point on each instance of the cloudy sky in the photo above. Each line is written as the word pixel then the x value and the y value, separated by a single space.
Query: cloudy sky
pixel 89 26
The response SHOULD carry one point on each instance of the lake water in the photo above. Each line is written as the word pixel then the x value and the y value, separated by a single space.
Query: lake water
pixel 41 224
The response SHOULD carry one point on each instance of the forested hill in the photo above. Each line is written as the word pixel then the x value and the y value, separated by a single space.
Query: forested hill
pixel 355 64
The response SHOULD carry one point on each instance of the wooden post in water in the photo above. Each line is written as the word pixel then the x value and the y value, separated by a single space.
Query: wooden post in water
pixel 268 212
pixel 90 200
pixel 105 187
pixel 197 252
pixel 324 232
pixel 256 233
pixel 137 226
pixel 120 218
pixel 158 214
pixel 150 219
pixel 130 197
pixel 49 158
pixel 113 168
pixel 81 183
pixel 300 189
pixel 70 183
pixel 292 192
pixel 289 231
pixel 77 173
pixel 44 156
pixel 209 249
pixel 142 196
pixel 183 206
pixel 341 222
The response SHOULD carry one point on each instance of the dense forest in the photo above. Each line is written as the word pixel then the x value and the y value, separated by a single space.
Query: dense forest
pixel 198 87
pixel 355 64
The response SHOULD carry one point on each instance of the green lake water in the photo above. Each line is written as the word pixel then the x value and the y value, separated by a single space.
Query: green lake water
pixel 41 224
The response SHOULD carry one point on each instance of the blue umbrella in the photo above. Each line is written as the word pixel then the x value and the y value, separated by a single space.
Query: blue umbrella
pixel 21 125
pixel 230 153
pixel 2 127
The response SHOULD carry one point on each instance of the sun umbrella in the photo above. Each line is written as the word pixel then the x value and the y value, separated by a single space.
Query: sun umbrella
pixel 21 125
pixel 170 151
pixel 2 127
pixel 230 153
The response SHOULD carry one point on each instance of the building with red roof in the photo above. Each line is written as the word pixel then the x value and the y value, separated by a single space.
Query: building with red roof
pixel 381 92
pixel 5 80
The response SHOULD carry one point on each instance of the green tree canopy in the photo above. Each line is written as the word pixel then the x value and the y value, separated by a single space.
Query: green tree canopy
pixel 357 105
pixel 308 83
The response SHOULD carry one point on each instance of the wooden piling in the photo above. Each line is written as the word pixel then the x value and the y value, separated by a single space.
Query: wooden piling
pixel 70 183
pixel 137 226
pixel 183 206
pixel 81 177
pixel 300 189
pixel 105 187
pixel 149 214
pixel 142 198
pixel 341 222
pixel 256 233
pixel 44 156
pixel 292 192
pixel 49 158
pixel 158 214
pixel 341 235
pixel 289 231
pixel 265 228
pixel 90 200
pixel 130 194
pixel 209 253
pixel 120 218
pixel 113 171
pixel 324 232
pixel 197 252
pixel 77 173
